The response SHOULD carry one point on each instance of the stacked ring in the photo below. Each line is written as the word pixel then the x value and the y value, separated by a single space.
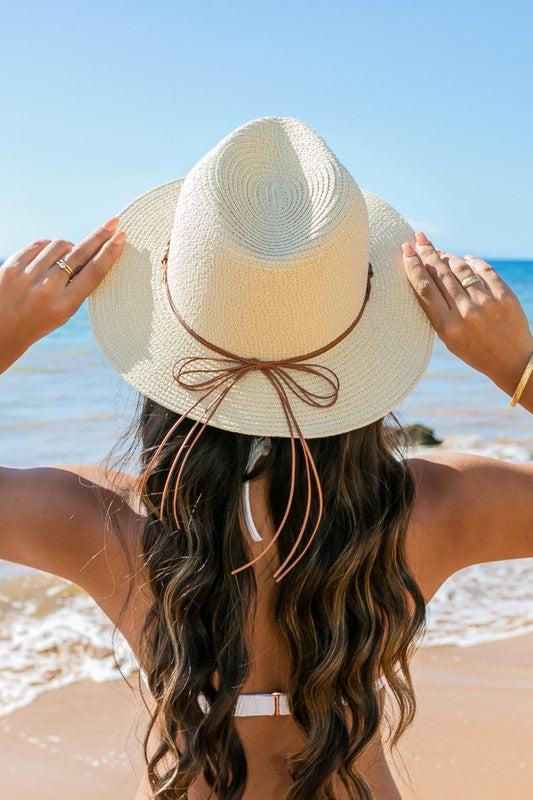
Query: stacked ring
pixel 64 266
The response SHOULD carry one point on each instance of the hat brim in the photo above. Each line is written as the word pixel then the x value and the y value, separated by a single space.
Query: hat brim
pixel 378 364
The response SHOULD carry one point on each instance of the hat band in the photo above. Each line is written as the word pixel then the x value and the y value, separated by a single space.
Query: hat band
pixel 232 368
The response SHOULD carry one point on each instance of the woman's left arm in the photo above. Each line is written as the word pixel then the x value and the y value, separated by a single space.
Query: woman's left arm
pixel 56 518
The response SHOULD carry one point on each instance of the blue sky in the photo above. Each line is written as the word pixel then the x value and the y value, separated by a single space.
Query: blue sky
pixel 428 105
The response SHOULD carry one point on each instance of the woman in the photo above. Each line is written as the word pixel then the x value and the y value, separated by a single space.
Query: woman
pixel 269 587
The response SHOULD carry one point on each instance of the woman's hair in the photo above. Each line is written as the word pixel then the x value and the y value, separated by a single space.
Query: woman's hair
pixel 348 611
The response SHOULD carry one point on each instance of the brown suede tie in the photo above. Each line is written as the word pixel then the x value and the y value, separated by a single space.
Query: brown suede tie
pixel 232 368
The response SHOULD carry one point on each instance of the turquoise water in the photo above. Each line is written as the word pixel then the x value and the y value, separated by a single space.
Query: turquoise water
pixel 61 403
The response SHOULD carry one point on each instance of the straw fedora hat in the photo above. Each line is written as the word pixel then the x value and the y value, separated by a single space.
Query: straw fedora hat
pixel 263 250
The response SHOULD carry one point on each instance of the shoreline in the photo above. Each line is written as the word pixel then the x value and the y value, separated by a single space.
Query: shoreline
pixel 471 738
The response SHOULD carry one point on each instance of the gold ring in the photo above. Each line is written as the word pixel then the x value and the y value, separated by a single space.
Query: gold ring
pixel 64 266
pixel 470 280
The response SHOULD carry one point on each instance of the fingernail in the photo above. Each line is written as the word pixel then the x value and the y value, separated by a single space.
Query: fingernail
pixel 118 237
pixel 408 250
pixel 468 257
pixel 421 238
pixel 111 224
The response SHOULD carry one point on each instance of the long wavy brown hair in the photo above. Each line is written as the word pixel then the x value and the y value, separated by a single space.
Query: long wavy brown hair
pixel 349 610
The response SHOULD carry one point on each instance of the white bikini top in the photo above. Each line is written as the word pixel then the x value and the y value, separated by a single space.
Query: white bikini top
pixel 260 446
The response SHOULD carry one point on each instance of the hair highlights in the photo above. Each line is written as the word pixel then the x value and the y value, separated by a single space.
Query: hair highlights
pixel 348 611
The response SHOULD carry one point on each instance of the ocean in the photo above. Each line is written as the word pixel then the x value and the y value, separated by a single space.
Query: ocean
pixel 61 403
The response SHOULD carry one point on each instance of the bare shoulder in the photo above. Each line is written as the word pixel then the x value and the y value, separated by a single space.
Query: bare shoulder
pixel 469 509
pixel 75 521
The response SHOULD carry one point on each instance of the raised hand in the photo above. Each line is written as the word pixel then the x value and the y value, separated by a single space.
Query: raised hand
pixel 37 295
pixel 483 324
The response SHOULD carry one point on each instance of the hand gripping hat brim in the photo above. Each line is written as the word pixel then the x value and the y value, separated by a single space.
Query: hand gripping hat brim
pixel 378 364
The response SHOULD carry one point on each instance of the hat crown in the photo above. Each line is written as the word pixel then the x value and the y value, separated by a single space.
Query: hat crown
pixel 260 293
pixel 269 248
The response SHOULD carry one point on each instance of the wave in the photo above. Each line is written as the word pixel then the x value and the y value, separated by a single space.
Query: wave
pixel 53 634
pixel 41 423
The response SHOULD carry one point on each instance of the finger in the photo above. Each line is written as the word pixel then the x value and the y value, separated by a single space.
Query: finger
pixel 446 281
pixel 462 271
pixel 74 255
pixel 24 257
pixel 497 285
pixel 95 271
pixel 55 249
pixel 427 291
pixel 85 250
pixel 426 251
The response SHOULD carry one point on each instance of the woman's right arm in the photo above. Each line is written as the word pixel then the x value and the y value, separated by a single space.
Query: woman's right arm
pixel 486 504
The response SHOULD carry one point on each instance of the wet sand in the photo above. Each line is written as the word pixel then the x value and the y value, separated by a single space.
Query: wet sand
pixel 472 738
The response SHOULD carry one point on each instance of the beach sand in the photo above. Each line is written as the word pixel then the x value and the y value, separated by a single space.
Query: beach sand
pixel 472 738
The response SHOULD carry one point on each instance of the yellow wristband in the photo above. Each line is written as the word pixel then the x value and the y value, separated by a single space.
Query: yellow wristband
pixel 522 382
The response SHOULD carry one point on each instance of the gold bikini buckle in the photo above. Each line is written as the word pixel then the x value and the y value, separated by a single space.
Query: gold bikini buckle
pixel 276 695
